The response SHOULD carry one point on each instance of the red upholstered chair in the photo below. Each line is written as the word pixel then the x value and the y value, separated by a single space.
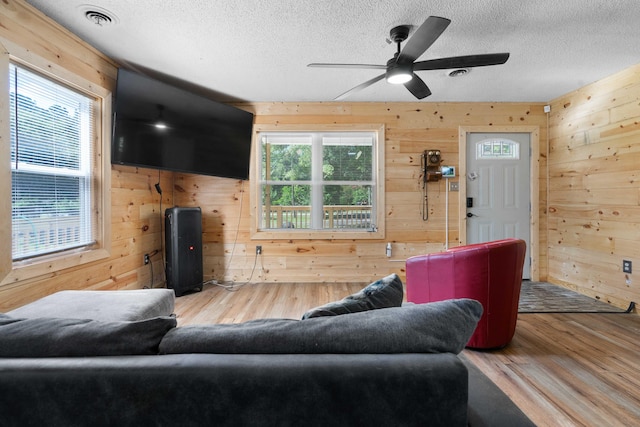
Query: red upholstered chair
pixel 488 272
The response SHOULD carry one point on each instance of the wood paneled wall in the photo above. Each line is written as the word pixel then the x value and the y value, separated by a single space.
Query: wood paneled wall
pixel 594 188
pixel 410 128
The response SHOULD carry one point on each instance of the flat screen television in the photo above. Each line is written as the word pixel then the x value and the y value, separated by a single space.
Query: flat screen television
pixel 158 125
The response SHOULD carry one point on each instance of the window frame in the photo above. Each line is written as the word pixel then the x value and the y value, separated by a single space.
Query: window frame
pixel 17 271
pixel 334 234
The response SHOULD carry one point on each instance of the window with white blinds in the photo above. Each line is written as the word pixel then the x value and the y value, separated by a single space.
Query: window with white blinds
pixel 51 165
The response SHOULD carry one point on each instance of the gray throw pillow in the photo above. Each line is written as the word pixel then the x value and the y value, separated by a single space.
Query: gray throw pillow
pixel 384 293
pixel 56 337
pixel 438 327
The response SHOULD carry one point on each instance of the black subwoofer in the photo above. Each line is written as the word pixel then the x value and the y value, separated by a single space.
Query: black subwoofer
pixel 183 242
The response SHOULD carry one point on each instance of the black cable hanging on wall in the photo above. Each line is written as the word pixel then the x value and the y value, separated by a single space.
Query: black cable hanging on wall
pixel 424 207
pixel 430 172
pixel 159 191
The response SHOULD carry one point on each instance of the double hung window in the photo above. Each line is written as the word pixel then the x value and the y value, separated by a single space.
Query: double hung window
pixel 52 139
pixel 319 182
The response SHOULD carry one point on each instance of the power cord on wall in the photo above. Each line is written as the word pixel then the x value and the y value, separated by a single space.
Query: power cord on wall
pixel 159 190
pixel 424 202
pixel 155 252
pixel 233 286
pixel 235 239
pixel 151 255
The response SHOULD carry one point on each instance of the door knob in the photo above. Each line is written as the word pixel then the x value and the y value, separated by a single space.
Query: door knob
pixel 469 215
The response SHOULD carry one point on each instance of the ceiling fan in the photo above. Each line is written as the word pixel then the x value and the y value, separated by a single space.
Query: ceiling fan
pixel 401 68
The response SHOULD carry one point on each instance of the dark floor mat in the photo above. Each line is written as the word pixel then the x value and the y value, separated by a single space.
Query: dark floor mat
pixel 542 297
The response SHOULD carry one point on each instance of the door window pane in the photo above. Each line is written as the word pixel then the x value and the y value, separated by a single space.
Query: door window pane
pixel 498 149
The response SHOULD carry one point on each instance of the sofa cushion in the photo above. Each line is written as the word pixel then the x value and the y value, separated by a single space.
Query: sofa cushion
pixel 56 337
pixel 441 327
pixel 108 306
pixel 383 293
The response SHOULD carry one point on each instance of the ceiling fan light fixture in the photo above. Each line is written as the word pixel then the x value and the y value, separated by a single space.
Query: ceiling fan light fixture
pixel 399 78
pixel 398 74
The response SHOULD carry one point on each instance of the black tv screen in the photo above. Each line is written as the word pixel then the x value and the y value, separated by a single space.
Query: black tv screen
pixel 158 125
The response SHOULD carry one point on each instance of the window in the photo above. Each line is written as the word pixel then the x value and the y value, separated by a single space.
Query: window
pixel 319 182
pixel 51 157
pixel 497 149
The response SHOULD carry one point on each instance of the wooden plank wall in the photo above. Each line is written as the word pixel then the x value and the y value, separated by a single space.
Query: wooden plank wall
pixel 594 194
pixel 410 129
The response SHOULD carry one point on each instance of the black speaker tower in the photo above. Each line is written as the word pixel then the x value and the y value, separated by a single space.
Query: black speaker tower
pixel 183 242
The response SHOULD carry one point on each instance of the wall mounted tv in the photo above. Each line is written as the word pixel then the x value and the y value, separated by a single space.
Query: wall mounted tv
pixel 158 125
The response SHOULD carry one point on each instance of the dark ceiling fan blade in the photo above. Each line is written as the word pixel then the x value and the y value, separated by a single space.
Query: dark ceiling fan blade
pixel 360 87
pixel 468 61
pixel 418 87
pixel 360 66
pixel 422 39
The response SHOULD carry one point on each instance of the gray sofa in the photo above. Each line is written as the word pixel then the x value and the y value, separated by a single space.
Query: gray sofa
pixel 377 365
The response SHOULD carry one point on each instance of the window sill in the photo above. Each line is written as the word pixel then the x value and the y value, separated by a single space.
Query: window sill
pixel 50 265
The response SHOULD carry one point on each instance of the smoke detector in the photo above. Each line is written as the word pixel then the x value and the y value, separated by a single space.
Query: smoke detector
pixel 459 72
pixel 98 16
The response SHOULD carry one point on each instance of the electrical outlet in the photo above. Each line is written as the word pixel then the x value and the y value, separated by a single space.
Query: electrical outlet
pixel 454 186
pixel 258 250
pixel 626 266
pixel 146 259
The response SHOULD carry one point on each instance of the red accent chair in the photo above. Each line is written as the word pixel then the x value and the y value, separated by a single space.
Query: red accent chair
pixel 487 272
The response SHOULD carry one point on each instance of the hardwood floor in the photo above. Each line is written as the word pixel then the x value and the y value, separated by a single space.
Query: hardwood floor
pixel 257 300
pixel 560 369
pixel 570 369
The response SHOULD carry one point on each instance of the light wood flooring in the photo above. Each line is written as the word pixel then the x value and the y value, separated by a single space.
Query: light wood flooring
pixel 560 369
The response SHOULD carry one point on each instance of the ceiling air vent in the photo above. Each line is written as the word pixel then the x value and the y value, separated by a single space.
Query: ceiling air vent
pixel 97 15
pixel 98 18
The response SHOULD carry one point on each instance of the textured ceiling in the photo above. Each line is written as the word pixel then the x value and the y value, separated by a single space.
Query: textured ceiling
pixel 258 50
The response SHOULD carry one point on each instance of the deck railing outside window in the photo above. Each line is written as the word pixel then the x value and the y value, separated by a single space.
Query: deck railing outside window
pixel 38 235
pixel 299 217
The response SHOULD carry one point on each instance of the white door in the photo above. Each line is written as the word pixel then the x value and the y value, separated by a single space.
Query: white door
pixel 498 189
